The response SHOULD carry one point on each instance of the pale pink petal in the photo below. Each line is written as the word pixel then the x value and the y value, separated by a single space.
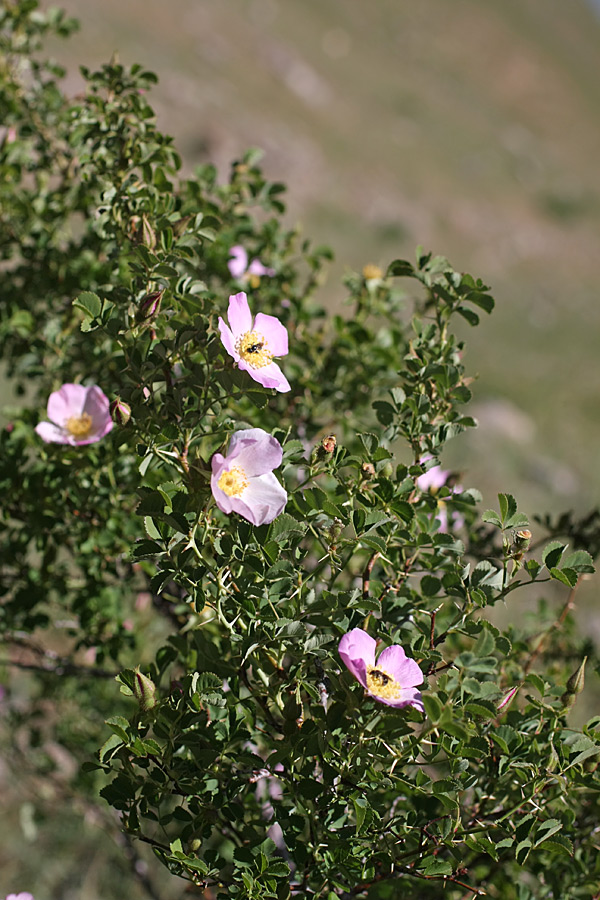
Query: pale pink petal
pixel 51 433
pixel 442 517
pixel 405 671
pixel 275 333
pixel 24 895
pixel 269 376
pixel 66 402
pixel 257 268
pixel 227 339
pixel 238 314
pixel 97 406
pixel 357 650
pixel 435 478
pixel 238 261
pixel 256 451
pixel 223 500
pixel 410 697
pixel 262 501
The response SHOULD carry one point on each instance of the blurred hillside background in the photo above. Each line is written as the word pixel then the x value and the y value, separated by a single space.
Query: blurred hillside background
pixel 471 127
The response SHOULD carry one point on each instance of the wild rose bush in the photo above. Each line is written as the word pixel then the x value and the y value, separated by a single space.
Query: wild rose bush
pixel 294 596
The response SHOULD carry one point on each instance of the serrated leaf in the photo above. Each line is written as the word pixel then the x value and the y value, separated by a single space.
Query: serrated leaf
pixel 580 561
pixel 552 553
pixel 546 829
pixel 491 517
pixel 508 506
pixel 89 303
pixel 566 576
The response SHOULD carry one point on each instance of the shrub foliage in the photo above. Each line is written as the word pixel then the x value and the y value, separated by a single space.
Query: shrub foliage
pixel 239 747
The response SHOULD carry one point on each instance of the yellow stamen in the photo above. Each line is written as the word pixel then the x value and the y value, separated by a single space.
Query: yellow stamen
pixel 383 685
pixel 370 271
pixel 252 347
pixel 234 482
pixel 79 426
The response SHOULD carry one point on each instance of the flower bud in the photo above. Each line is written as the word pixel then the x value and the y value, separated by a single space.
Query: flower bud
pixel 521 540
pixel 577 679
pixel 120 411
pixel 144 690
pixel 148 235
pixel 574 686
pixel 148 308
pixel 325 448
pixel 508 698
pixel 368 470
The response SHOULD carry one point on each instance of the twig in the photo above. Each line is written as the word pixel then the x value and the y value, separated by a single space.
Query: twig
pixel 366 579
pixel 63 668
pixel 569 605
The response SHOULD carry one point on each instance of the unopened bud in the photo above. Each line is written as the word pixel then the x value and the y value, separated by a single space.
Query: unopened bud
pixel 368 470
pixel 148 308
pixel 371 272
pixel 329 443
pixel 521 540
pixel 577 679
pixel 507 699
pixel 325 448
pixel 120 411
pixel 144 690
pixel 148 235
pixel 574 686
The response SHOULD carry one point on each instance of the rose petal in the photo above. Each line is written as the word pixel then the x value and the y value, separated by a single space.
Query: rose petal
pixel 227 339
pixel 275 333
pixel 257 268
pixel 404 670
pixel 435 478
pixel 357 650
pixel 98 407
pixel 68 401
pixel 269 376
pixel 256 451
pixel 51 433
pixel 262 501
pixel 238 261
pixel 238 314
pixel 410 697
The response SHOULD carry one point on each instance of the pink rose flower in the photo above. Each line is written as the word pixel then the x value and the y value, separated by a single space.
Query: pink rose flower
pixel 393 680
pixel 254 342
pixel 239 268
pixel 243 481
pixel 432 480
pixel 24 895
pixel 78 415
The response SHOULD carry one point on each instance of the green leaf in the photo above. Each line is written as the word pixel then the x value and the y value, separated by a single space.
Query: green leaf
pixel 580 561
pixel 508 506
pixel 400 268
pixel 491 517
pixel 433 707
pixel 552 553
pixel 285 528
pixel 431 866
pixel 89 303
pixel 545 830
pixel 566 576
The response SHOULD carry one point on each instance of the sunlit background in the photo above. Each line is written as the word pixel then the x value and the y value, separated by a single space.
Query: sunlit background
pixel 471 128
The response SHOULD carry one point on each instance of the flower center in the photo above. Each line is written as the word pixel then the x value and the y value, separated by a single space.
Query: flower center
pixel 234 482
pixel 79 426
pixel 252 347
pixel 383 685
